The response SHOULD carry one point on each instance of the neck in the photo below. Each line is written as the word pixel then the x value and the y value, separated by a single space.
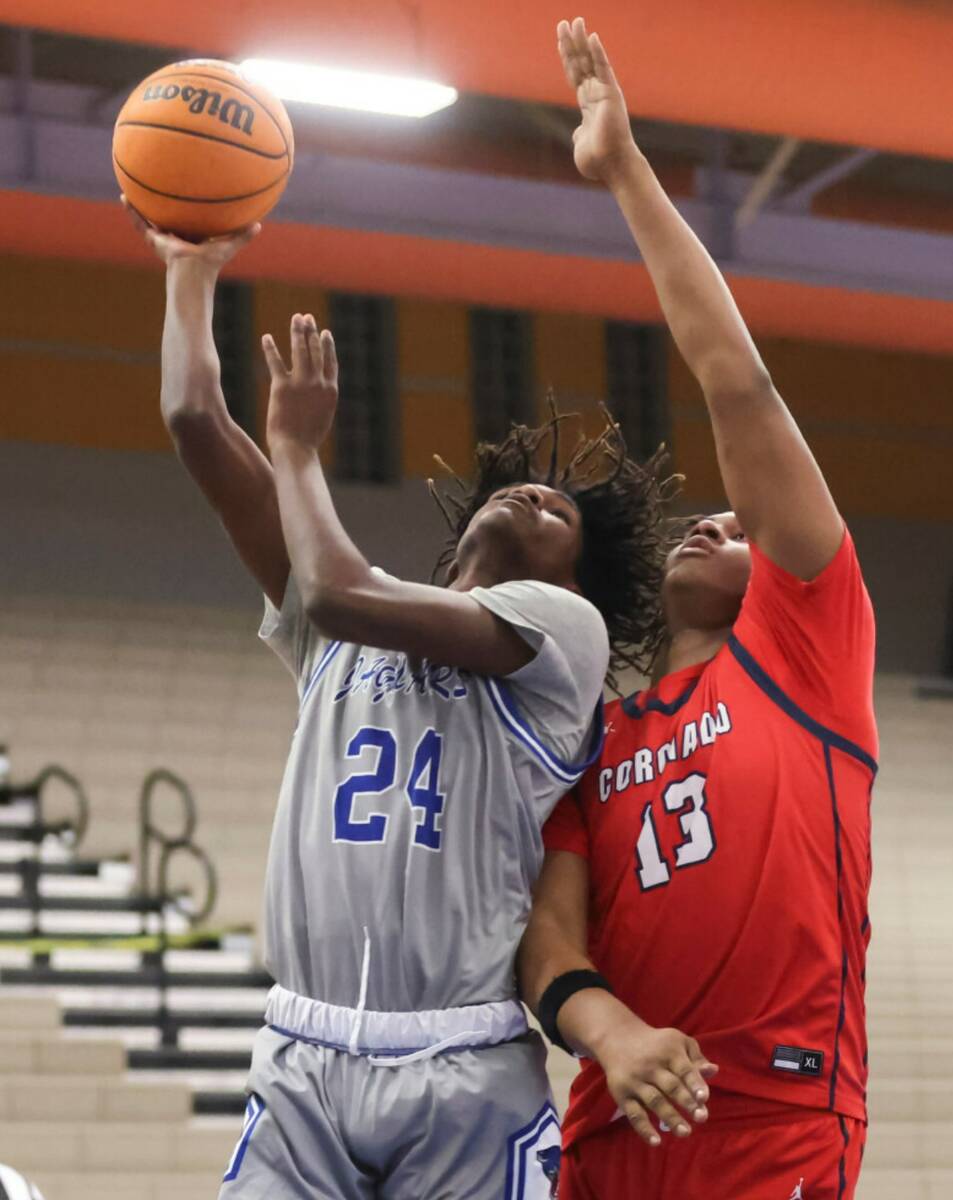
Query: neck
pixel 691 646
pixel 487 572
pixel 477 575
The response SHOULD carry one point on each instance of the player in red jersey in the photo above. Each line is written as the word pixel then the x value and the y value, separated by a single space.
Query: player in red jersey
pixel 713 867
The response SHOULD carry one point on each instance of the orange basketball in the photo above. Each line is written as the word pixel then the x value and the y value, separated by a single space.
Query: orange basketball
pixel 200 150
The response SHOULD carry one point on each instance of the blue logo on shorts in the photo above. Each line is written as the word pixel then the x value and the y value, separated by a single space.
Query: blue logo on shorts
pixel 549 1160
pixel 532 1168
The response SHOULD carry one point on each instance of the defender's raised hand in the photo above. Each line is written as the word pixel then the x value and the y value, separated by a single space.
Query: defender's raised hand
pixel 603 141
pixel 303 400
pixel 214 252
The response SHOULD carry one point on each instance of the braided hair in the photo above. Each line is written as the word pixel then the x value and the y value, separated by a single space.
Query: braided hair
pixel 622 504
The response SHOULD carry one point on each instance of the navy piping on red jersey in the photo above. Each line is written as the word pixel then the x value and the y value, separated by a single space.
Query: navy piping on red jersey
pixel 842 1168
pixel 829 739
pixel 839 862
pixel 632 708
pixel 319 670
pixel 764 681
pixel 864 925
pixel 508 711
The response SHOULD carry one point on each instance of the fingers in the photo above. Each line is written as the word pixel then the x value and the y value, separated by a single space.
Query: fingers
pixel 602 68
pixel 673 1086
pixel 638 1118
pixel 330 357
pixel 567 54
pixel 313 357
pixel 652 1099
pixel 135 216
pixel 233 242
pixel 580 41
pixel 273 359
pixel 700 1062
pixel 315 349
pixel 300 353
pixel 693 1083
pixel 246 235
pixel 574 51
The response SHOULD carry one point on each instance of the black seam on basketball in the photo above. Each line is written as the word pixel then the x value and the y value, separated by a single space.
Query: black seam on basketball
pixel 209 137
pixel 197 199
pixel 228 80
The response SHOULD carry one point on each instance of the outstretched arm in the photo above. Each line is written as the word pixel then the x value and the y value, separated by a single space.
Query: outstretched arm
pixel 771 478
pixel 233 474
pixel 342 595
pixel 647 1070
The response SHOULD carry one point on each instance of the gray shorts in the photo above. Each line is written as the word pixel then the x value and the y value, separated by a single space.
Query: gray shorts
pixel 463 1125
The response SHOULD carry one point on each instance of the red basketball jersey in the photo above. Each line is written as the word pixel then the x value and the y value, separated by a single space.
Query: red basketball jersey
pixel 727 829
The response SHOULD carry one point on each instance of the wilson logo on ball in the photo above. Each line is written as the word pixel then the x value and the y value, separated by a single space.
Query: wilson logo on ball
pixel 201 100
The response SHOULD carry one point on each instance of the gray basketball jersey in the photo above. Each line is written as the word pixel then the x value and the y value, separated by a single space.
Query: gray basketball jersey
pixel 413 800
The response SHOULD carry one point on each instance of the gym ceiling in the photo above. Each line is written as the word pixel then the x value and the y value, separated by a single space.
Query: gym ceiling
pixel 809 142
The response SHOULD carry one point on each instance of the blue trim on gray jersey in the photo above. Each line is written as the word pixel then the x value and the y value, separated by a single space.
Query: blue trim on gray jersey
pixel 508 711
pixel 319 670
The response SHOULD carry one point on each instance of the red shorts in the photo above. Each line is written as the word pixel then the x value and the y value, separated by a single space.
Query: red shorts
pixel 754 1150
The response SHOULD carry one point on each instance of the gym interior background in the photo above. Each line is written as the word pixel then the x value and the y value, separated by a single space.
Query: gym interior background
pixel 466 272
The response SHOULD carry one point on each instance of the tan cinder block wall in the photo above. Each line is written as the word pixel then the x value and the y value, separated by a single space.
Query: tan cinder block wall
pixel 112 690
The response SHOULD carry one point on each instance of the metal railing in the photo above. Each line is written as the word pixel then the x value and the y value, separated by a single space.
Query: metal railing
pixel 33 790
pixel 71 830
pixel 155 881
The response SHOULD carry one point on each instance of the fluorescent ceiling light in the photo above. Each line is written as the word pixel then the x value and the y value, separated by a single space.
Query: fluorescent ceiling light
pixel 397 95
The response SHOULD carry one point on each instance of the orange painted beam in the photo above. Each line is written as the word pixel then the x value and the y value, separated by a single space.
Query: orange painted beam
pixel 60 227
pixel 864 72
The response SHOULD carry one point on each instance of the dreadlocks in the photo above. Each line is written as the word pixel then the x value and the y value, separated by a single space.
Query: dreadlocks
pixel 624 531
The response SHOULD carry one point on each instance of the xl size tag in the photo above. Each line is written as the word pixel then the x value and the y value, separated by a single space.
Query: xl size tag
pixel 796 1061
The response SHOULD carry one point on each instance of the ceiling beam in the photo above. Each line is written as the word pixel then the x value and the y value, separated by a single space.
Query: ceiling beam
pixel 858 72
pixel 432 202
pixel 766 182
pixel 801 196
pixel 441 269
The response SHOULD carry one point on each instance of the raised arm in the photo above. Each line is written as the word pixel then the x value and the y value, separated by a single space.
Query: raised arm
pixel 342 595
pixel 231 471
pixel 647 1070
pixel 770 476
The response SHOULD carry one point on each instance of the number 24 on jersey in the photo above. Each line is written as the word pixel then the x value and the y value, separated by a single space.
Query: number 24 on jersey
pixel 422 790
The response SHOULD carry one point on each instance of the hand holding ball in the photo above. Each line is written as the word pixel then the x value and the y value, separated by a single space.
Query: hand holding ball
pixel 201 151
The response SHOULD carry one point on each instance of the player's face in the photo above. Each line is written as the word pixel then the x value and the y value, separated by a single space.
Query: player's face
pixel 706 574
pixel 526 531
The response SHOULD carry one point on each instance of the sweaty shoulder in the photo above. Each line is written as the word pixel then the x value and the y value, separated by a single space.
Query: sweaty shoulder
pixel 815 640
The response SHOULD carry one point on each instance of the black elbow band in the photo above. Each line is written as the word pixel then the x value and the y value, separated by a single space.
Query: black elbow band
pixel 556 995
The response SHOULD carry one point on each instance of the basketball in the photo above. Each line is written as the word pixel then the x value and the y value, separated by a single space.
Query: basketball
pixel 201 151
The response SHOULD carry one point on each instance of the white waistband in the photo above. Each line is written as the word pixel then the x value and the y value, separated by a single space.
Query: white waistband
pixel 394 1038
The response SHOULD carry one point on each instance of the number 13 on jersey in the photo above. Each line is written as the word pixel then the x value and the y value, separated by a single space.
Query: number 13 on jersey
pixel 687 798
pixel 422 790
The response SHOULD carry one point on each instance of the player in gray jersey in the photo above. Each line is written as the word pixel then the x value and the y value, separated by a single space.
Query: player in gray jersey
pixel 437 728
